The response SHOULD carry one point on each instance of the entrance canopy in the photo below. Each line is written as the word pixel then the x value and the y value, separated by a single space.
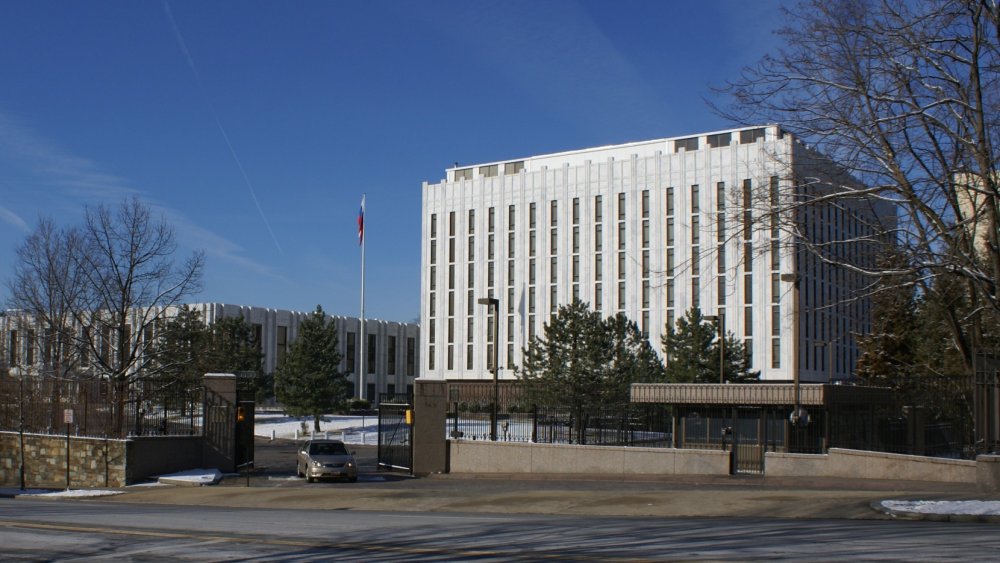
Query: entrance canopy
pixel 759 394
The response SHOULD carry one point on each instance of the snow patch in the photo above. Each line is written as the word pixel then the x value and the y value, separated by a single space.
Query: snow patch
pixel 49 493
pixel 192 477
pixel 357 430
pixel 970 507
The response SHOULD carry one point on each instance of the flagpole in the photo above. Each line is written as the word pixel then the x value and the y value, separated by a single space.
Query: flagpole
pixel 363 362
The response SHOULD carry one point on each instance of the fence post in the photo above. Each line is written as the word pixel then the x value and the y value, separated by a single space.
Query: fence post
pixel 534 424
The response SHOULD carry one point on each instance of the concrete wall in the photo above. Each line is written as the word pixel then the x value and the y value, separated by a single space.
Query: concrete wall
pixel 855 464
pixel 467 456
pixel 473 456
pixel 158 455
pixel 429 447
pixel 94 462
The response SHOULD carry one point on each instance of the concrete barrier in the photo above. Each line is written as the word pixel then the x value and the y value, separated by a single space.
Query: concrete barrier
pixel 988 473
pixel 856 464
pixel 484 457
pixel 471 456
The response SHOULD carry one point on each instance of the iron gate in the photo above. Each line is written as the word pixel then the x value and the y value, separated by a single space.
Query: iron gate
pixel 395 443
pixel 748 432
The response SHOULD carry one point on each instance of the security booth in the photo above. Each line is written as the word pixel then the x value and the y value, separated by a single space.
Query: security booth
pixel 750 418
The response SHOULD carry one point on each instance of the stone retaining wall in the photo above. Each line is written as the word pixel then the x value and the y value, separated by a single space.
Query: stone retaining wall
pixel 93 462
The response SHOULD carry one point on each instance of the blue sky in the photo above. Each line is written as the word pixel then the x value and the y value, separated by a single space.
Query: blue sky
pixel 255 127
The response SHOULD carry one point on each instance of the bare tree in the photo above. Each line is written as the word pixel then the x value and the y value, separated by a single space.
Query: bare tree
pixel 906 97
pixel 130 284
pixel 45 290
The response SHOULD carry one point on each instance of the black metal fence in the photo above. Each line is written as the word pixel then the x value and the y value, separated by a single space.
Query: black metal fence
pixel 618 425
pixel 100 408
pixel 870 427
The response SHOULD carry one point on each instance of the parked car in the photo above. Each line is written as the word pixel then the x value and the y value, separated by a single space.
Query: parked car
pixel 326 459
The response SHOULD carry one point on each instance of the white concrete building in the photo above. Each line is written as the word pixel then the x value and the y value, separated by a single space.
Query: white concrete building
pixel 649 229
pixel 392 352
pixel 392 361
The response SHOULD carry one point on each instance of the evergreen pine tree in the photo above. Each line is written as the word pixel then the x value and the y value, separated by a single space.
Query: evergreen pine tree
pixel 585 362
pixel 692 352
pixel 308 381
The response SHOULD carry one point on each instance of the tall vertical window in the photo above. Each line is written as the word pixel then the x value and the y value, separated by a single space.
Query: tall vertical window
pixel 470 291
pixel 644 318
pixel 553 260
pixel 411 353
pixel 695 248
pixel 281 339
pixel 775 274
pixel 598 257
pixel 748 230
pixel 431 304
pixel 532 224
pixel 350 355
pixel 575 250
pixel 621 253
pixel 370 351
pixel 452 232
pixel 391 356
pixel 13 349
pixel 490 283
pixel 669 238
pixel 720 249
pixel 510 281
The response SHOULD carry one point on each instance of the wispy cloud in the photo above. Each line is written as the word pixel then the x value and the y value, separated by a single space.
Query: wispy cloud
pixel 572 67
pixel 77 176
pixel 179 37
pixel 13 219
pixel 80 181
pixel 195 236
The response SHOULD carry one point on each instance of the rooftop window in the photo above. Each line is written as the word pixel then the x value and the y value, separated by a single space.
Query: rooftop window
pixel 720 140
pixel 513 167
pixel 751 135
pixel 689 144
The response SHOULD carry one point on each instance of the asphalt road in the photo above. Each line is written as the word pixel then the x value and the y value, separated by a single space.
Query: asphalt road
pixel 35 530
pixel 392 517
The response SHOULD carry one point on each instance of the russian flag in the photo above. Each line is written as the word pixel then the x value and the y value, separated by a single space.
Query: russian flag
pixel 361 222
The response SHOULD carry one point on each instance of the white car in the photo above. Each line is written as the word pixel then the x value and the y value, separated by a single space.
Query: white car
pixel 326 459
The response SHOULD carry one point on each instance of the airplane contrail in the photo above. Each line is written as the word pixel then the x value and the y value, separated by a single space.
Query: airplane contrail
pixel 225 136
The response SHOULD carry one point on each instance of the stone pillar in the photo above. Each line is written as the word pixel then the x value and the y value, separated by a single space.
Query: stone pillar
pixel 988 473
pixel 222 384
pixel 430 406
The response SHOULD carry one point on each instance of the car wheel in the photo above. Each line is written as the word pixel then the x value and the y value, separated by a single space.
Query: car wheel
pixel 299 472
pixel 309 479
pixel 352 480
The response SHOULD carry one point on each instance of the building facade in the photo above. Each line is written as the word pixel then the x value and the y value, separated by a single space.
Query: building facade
pixel 648 229
pixel 392 348
pixel 392 354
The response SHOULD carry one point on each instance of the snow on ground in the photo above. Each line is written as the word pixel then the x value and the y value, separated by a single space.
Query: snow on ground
pixel 192 477
pixel 47 493
pixel 974 507
pixel 350 429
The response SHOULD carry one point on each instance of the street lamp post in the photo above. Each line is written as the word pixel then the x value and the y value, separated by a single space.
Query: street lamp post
pixel 20 413
pixel 798 416
pixel 719 320
pixel 495 304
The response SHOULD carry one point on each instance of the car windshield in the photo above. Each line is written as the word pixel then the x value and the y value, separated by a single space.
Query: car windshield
pixel 327 449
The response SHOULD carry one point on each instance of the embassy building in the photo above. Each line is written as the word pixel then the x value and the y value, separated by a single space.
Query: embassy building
pixel 650 229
